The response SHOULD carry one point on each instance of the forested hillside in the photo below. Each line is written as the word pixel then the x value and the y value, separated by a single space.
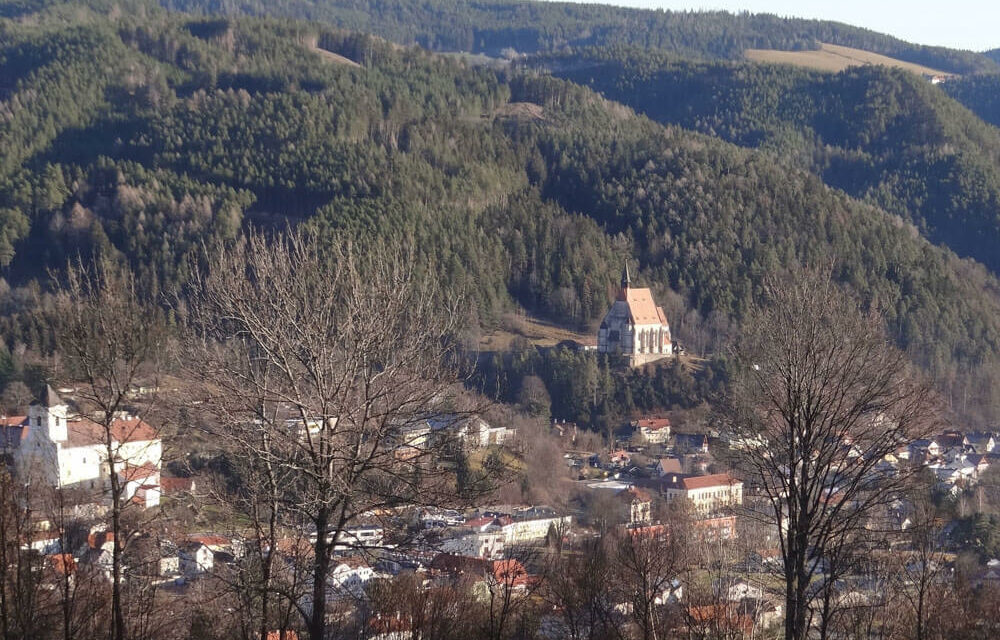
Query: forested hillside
pixel 493 26
pixel 980 93
pixel 885 136
pixel 156 135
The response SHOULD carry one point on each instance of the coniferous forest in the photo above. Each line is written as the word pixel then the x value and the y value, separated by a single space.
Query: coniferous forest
pixel 156 134
pixel 342 266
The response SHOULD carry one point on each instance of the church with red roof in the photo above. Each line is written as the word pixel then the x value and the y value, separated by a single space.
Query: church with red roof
pixel 635 327
pixel 49 446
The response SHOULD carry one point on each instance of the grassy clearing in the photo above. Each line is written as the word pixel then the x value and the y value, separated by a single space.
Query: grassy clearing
pixel 336 58
pixel 535 331
pixel 832 57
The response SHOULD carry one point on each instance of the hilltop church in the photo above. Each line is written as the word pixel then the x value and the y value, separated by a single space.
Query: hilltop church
pixel 635 327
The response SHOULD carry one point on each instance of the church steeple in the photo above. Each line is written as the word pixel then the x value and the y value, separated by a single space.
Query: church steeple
pixel 626 278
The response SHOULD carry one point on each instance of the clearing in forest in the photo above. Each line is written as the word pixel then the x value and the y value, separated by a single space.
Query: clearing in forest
pixel 832 57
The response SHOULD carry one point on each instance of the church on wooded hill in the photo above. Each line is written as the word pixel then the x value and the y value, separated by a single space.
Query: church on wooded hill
pixel 635 327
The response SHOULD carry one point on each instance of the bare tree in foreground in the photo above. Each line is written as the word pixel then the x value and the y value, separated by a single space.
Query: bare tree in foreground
pixel 819 400
pixel 328 365
pixel 109 337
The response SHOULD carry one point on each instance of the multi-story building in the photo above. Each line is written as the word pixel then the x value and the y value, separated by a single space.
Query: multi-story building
pixel 652 430
pixel 706 494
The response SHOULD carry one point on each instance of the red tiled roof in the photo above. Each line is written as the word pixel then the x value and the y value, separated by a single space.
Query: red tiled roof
pixel 98 540
pixel 215 541
pixel 63 563
pixel 703 482
pixel 132 473
pixel 724 616
pixel 84 432
pixel 287 634
pixel 636 494
pixel 653 424
pixel 14 421
pixel 510 571
pixel 477 523
pixel 641 307
pixel 171 485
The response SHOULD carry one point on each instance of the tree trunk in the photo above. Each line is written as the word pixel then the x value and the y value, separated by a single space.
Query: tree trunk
pixel 118 619
pixel 321 568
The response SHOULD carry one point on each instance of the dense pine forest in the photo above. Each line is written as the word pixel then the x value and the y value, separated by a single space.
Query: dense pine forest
pixel 885 136
pixel 497 26
pixel 156 135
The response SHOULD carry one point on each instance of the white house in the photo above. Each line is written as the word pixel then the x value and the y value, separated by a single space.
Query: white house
pixel 349 577
pixel 530 529
pixel 195 558
pixel 737 590
pixel 652 430
pixel 477 544
pixel 979 442
pixel 472 432
pixel 635 327
pixel 60 450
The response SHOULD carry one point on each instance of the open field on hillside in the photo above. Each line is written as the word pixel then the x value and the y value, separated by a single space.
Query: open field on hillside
pixel 832 57
pixel 335 57
pixel 535 331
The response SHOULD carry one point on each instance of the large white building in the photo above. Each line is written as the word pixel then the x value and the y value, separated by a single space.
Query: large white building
pixel 635 327
pixel 50 447
pixel 706 494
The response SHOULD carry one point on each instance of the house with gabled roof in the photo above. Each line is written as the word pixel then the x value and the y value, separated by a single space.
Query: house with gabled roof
pixel 669 466
pixel 651 430
pixel 979 442
pixel 638 503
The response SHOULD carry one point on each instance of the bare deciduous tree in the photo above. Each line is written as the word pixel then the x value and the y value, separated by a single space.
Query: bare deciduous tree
pixel 819 400
pixel 648 560
pixel 16 396
pixel 20 568
pixel 579 586
pixel 109 338
pixel 336 367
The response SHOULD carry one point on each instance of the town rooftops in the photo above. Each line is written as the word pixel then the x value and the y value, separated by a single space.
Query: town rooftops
pixel 949 439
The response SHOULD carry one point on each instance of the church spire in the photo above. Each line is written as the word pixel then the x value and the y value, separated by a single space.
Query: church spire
pixel 626 278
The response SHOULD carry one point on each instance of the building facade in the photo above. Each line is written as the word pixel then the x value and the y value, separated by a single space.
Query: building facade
pixel 63 451
pixel 706 494
pixel 635 328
